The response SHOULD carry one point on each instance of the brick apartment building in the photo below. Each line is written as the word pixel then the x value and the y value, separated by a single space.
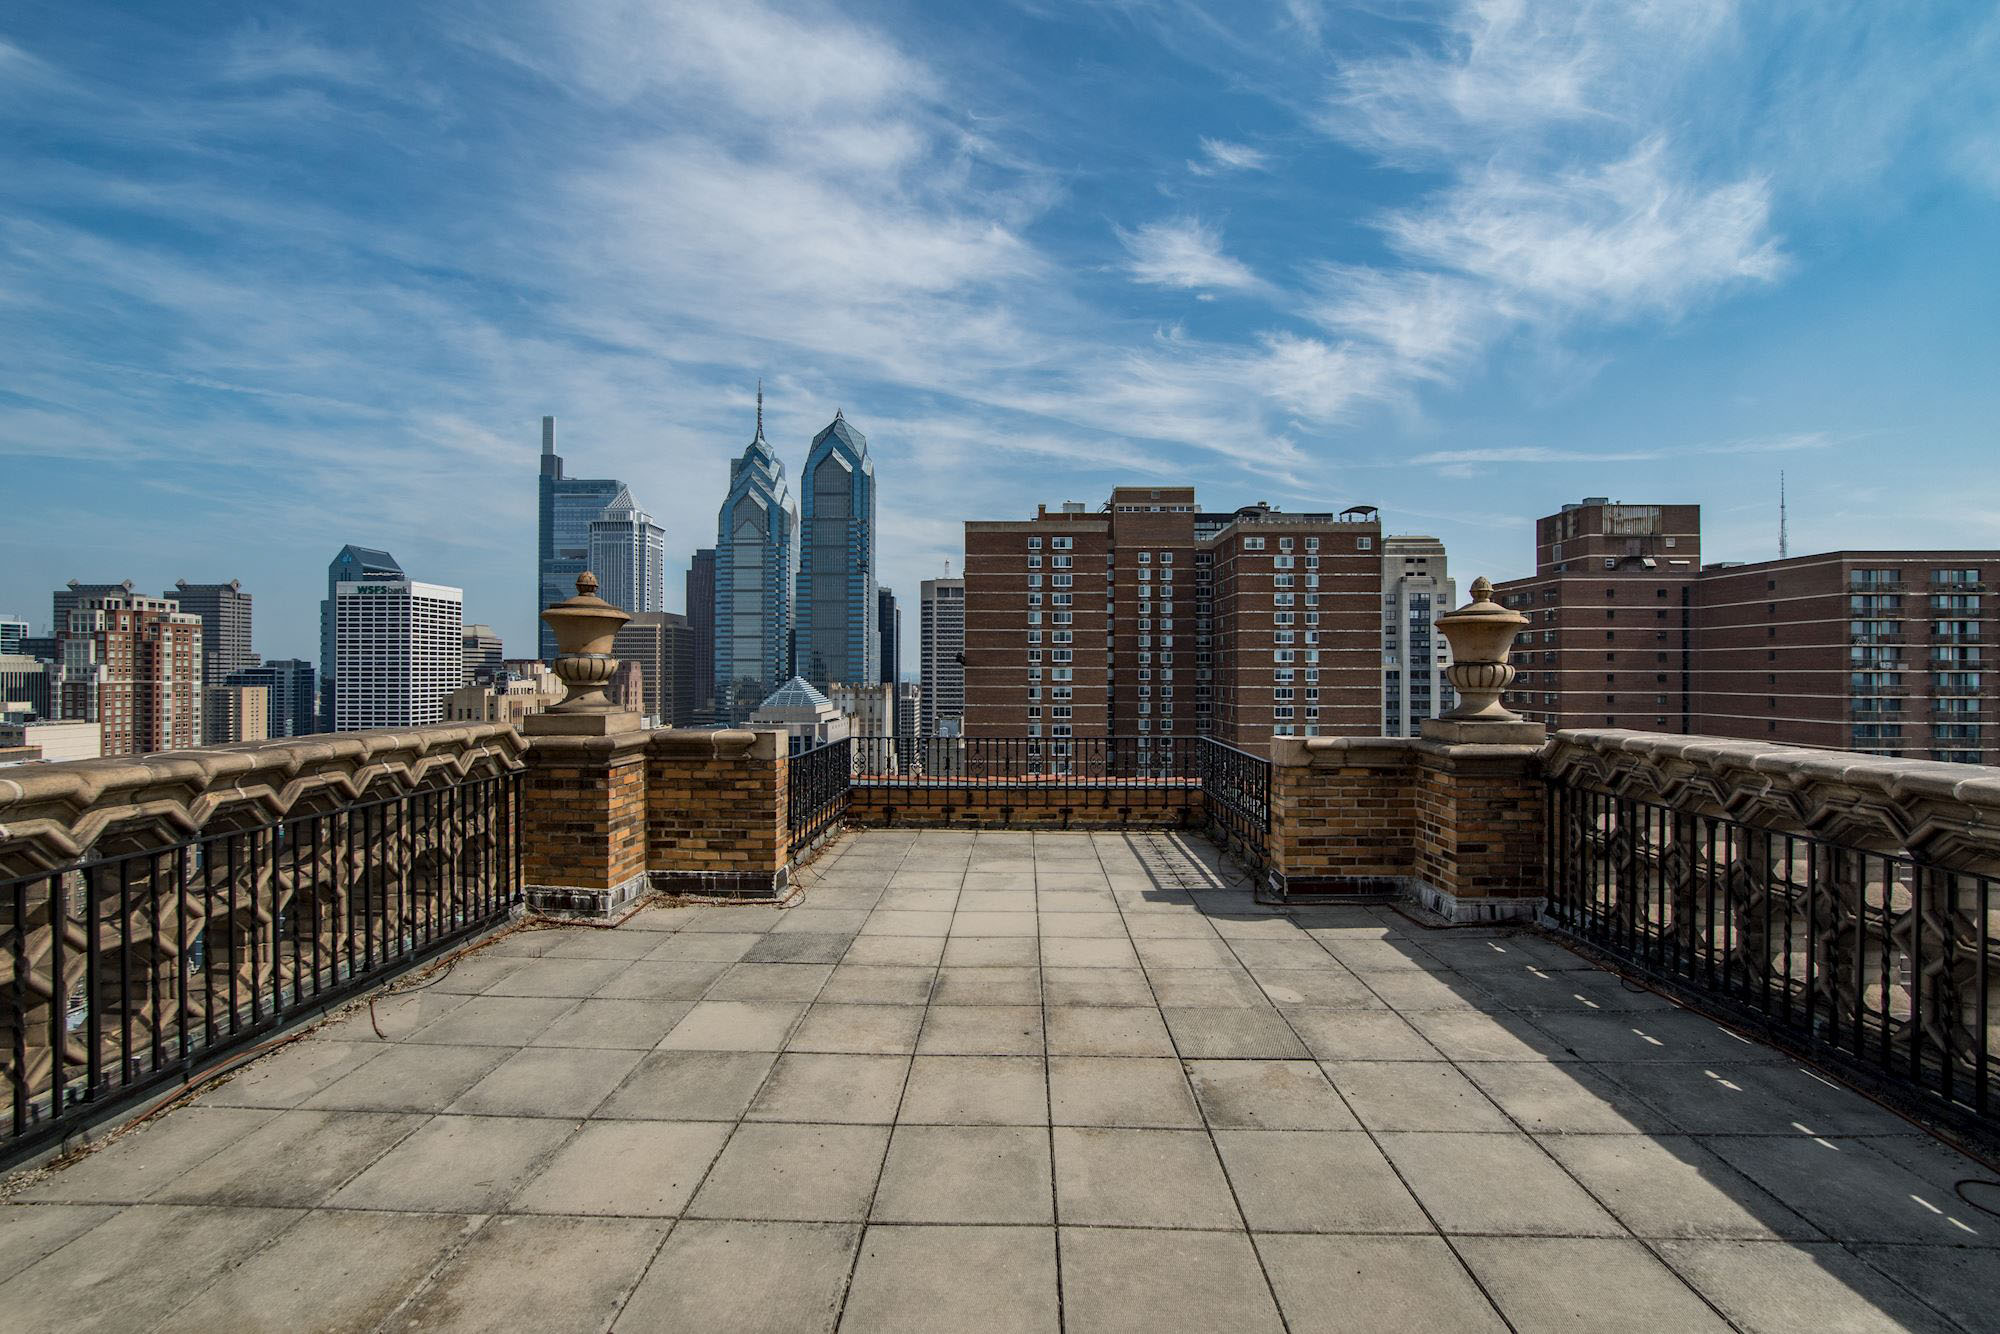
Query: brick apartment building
pixel 133 665
pixel 1150 618
pixel 1874 651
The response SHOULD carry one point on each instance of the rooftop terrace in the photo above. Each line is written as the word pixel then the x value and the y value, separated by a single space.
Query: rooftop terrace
pixel 1012 1081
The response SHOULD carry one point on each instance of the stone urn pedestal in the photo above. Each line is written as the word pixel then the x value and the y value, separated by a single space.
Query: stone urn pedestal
pixel 1481 635
pixel 585 627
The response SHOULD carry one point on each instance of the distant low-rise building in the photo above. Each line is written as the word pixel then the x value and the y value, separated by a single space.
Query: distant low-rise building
pixel 810 718
pixel 523 688
pixel 484 654
pixel 288 684
pixel 28 683
pixel 52 741
pixel 870 709
pixel 235 713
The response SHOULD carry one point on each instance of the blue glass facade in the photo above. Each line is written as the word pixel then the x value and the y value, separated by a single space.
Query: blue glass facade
pixel 756 560
pixel 568 504
pixel 353 563
pixel 838 626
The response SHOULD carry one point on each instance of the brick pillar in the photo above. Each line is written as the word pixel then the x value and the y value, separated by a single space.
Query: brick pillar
pixel 1480 847
pixel 716 820
pixel 1342 815
pixel 583 822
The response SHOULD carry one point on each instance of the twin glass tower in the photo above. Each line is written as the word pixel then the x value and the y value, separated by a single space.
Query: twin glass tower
pixel 795 589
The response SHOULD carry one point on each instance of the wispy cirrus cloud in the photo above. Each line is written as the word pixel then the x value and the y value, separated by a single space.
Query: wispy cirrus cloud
pixel 1219 156
pixel 1185 252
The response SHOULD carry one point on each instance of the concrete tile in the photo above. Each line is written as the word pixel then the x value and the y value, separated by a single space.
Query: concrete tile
pixel 1800 1288
pixel 1294 954
pixel 1853 1193
pixel 580 942
pixel 1141 1178
pixel 1210 988
pixel 1534 1282
pixel 1107 1030
pixel 30 1231
pixel 1503 953
pixel 1568 1098
pixel 895 951
pixel 660 918
pixel 410 1077
pixel 457 1164
pixel 734 1026
pixel 966 1174
pixel 861 896
pixel 859 1028
pixel 558 977
pixel 1120 1091
pixel 470 976
pixel 145 1260
pixel 633 1168
pixel 1413 1095
pixel 1736 1099
pixel 690 1086
pixel 900 899
pixel 1409 991
pixel 1333 1284
pixel 988 986
pixel 823 921
pixel 1669 1186
pixel 1088 952
pixel 1495 1184
pixel 1232 1033
pixel 734 918
pixel 799 947
pixel 845 1089
pixel 923 1279
pixel 1958 1281
pixel 1672 1036
pixel 398 1016
pixel 336 1269
pixel 1152 1282
pixel 678 980
pixel 139 1162
pixel 795 1173
pixel 1184 952
pixel 930 879
pixel 1096 986
pixel 1062 902
pixel 771 981
pixel 993 952
pixel 549 1081
pixel 493 1021
pixel 1268 1095
pixel 976 1090
pixel 296 1159
pixel 1369 953
pixel 869 985
pixel 1316 1181
pixel 1360 1035
pixel 887 922
pixel 982 1030
pixel 704 947
pixel 698 1282
pixel 1058 878
pixel 614 1023
pixel 980 899
pixel 1331 987
pixel 965 923
pixel 559 1275
pixel 1170 926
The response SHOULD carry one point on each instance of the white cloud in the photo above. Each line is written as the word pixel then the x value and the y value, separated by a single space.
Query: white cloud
pixel 1219 156
pixel 1184 252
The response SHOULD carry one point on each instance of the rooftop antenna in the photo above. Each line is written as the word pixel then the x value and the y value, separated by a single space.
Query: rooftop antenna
pixel 1784 536
pixel 760 406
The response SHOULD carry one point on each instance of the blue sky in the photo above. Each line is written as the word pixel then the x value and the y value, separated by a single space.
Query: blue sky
pixel 277 278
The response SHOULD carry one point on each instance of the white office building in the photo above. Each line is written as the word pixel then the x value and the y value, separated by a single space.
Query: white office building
pixel 1416 590
pixel 941 642
pixel 399 647
pixel 628 554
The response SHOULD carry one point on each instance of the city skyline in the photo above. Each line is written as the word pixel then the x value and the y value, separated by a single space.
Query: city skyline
pixel 319 339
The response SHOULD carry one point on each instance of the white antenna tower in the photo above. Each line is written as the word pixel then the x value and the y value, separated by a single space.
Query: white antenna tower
pixel 1784 535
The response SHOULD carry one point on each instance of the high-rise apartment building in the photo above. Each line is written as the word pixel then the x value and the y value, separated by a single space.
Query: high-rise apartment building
pixel 352 565
pixel 13 635
pixel 567 505
pixel 662 644
pixel 1416 590
pixel 1149 618
pixel 225 625
pixel 909 707
pixel 756 567
pixel 75 594
pixel 628 554
pixel 836 618
pixel 889 634
pixel 484 654
pixel 132 665
pixel 941 654
pixel 701 630
pixel 235 713
pixel 1883 652
pixel 291 707
pixel 399 647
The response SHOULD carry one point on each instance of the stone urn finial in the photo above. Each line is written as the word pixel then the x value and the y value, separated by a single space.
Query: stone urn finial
pixel 585 626
pixel 1481 634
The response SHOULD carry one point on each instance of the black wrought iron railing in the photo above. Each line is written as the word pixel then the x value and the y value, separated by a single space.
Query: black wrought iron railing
pixel 128 974
pixel 816 791
pixel 1237 786
pixel 1880 964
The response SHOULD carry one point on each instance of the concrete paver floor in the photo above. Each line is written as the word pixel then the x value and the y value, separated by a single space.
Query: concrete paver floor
pixel 1013 1082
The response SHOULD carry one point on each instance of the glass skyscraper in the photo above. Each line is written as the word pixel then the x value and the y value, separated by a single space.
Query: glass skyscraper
pixel 628 554
pixel 756 546
pixel 838 638
pixel 353 564
pixel 568 505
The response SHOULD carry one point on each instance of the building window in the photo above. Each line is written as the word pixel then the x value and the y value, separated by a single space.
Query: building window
pixel 1062 543
pixel 1364 544
pixel 1034 544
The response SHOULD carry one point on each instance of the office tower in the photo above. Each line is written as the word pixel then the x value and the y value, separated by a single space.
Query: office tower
pixel 75 594
pixel 701 629
pixel 628 554
pixel 13 635
pixel 399 646
pixel 663 644
pixel 1150 618
pixel 889 635
pixel 909 707
pixel 132 665
pixel 870 708
pixel 484 654
pixel 567 506
pixel 1415 592
pixel 225 624
pixel 941 629
pixel 838 637
pixel 290 705
pixel 27 687
pixel 232 713
pixel 353 565
pixel 756 565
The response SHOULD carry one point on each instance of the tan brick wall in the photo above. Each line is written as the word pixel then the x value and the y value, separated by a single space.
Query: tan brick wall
pixel 715 802
pixel 1342 808
pixel 583 811
pixel 1479 824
